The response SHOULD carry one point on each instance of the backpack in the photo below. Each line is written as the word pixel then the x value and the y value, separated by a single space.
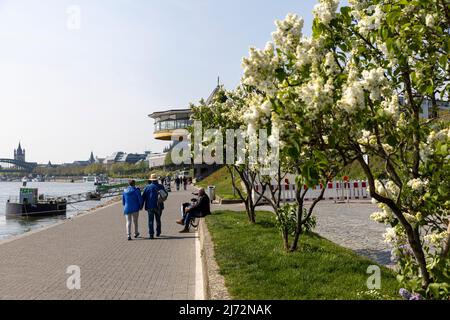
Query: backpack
pixel 162 195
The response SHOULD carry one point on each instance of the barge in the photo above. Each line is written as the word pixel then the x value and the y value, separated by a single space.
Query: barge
pixel 31 204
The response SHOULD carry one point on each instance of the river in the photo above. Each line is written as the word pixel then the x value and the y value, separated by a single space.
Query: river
pixel 11 226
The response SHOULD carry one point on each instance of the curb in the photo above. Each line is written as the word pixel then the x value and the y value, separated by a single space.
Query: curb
pixel 213 282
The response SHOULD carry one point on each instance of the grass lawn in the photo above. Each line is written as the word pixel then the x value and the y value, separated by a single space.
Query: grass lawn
pixel 255 266
pixel 221 179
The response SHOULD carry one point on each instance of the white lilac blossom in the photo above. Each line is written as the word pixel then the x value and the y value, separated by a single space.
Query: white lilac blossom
pixel 373 81
pixel 353 97
pixel 316 93
pixel 418 184
pixel 389 189
pixel 369 19
pixel 260 68
pixel 307 52
pixel 436 239
pixel 325 10
pixel 391 107
pixel 288 33
pixel 430 20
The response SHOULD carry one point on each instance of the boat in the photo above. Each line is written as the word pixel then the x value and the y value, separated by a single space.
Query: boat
pixel 31 204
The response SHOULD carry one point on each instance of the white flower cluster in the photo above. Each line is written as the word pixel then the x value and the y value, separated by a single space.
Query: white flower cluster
pixel 330 64
pixel 369 19
pixel 308 51
pixel 379 216
pixel 373 81
pixel 353 97
pixel 288 33
pixel 316 93
pixel 259 112
pixel 436 239
pixel 427 149
pixel 389 189
pixel 367 139
pixel 391 107
pixel 325 10
pixel 259 68
pixel 430 20
pixel 418 184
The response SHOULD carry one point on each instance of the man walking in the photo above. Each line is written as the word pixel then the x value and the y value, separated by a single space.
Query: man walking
pixel 178 183
pixel 132 203
pixel 153 205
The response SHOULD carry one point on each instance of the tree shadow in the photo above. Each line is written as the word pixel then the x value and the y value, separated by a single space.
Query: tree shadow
pixel 380 256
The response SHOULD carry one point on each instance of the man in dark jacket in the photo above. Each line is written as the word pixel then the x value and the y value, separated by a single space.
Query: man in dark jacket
pixel 199 210
pixel 153 206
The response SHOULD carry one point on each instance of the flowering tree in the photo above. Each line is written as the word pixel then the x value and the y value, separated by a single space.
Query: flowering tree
pixel 390 57
pixel 288 99
pixel 356 88
pixel 226 113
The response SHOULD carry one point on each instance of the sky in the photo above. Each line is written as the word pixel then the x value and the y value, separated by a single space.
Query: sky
pixel 83 75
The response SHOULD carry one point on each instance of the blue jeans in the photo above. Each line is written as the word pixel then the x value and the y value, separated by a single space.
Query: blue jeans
pixel 189 216
pixel 152 215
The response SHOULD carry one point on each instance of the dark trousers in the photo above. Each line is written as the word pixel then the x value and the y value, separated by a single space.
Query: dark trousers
pixel 154 214
pixel 190 215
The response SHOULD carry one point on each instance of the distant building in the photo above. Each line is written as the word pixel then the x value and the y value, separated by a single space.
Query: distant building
pixel 122 157
pixel 112 159
pixel 427 107
pixel 91 158
pixel 166 122
pixel 156 160
pixel 81 163
pixel 19 154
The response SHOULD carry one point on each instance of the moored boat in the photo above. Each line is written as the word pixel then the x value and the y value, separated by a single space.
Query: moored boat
pixel 30 204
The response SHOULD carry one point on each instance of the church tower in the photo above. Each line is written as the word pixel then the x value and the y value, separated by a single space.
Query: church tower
pixel 19 153
pixel 91 158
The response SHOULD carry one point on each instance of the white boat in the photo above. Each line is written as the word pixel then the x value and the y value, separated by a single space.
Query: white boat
pixel 89 179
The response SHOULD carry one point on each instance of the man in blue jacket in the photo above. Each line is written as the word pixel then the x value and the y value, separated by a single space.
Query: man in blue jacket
pixel 153 206
pixel 132 202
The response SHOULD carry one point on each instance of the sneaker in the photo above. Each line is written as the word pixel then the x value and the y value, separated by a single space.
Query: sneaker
pixel 137 235
pixel 184 230
pixel 180 222
pixel 158 235
pixel 151 237
pixel 129 238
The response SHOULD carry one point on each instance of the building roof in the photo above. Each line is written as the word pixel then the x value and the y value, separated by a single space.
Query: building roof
pixel 168 112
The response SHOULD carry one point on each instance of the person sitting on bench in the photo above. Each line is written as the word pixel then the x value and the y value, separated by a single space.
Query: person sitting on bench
pixel 198 210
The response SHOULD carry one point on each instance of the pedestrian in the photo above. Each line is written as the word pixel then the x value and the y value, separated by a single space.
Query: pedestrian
pixel 178 182
pixel 153 205
pixel 185 182
pixel 132 202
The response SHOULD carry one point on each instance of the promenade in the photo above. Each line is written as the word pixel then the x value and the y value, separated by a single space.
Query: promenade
pixel 35 266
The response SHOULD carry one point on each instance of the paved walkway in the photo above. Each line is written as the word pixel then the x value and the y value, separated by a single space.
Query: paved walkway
pixel 35 266
pixel 347 224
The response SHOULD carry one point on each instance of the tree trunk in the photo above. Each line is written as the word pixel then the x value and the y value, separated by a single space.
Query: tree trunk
pixel 298 228
pixel 286 239
pixel 413 234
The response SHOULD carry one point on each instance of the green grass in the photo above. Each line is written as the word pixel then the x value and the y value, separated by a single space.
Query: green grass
pixel 221 179
pixel 255 266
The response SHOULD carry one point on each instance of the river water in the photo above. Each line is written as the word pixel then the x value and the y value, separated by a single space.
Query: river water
pixel 11 226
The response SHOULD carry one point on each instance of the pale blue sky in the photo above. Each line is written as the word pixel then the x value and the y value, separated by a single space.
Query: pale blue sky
pixel 64 93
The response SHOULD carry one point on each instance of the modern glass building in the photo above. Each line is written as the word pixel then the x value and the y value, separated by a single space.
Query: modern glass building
pixel 166 122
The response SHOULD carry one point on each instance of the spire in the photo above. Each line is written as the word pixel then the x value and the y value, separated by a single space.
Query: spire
pixel 91 158
pixel 19 149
